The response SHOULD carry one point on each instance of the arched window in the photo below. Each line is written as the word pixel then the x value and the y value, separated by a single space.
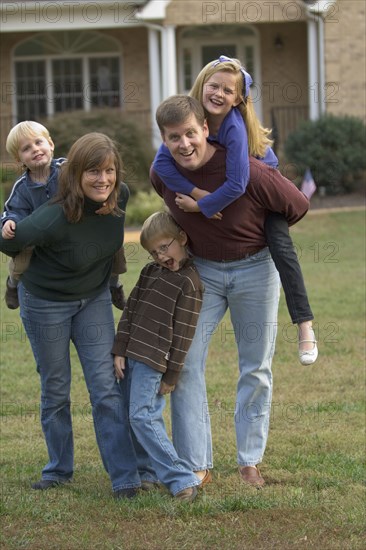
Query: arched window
pixel 61 71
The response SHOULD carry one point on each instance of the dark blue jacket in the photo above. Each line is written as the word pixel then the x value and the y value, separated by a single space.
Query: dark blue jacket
pixel 26 195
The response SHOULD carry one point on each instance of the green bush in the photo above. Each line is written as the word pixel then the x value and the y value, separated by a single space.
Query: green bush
pixel 141 205
pixel 334 150
pixel 134 145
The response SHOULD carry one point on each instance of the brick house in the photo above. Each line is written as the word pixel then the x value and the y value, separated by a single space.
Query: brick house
pixel 306 58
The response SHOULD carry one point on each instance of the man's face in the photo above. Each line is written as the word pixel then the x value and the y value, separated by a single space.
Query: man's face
pixel 187 143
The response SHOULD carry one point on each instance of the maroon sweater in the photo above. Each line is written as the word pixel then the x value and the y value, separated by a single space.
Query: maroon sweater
pixel 241 230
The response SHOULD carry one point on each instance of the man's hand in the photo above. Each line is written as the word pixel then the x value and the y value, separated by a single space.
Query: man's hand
pixel 165 388
pixel 8 230
pixel 119 367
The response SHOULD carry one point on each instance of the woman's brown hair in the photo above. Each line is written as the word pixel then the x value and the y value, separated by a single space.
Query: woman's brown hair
pixel 89 152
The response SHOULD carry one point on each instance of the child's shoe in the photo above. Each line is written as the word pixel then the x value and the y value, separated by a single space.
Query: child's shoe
pixel 118 296
pixel 11 295
pixel 308 357
pixel 187 495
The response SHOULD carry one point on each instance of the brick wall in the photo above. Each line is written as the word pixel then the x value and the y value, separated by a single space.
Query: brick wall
pixel 345 58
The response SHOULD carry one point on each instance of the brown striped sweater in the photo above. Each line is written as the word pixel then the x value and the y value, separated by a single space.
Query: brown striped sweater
pixel 158 323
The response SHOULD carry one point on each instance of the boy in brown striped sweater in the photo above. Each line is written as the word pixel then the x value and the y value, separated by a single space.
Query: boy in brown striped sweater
pixel 154 334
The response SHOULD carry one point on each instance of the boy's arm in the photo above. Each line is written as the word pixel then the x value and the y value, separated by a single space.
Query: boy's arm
pixel 186 315
pixel 18 206
pixel 164 166
pixel 37 229
pixel 124 326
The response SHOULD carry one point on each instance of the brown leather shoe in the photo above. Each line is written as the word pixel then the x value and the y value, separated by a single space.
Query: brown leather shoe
pixel 251 476
pixel 206 479
pixel 187 495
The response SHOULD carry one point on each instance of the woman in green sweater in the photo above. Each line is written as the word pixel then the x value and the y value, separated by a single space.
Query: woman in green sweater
pixel 64 297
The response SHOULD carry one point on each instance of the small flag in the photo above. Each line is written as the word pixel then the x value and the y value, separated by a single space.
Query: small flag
pixel 308 186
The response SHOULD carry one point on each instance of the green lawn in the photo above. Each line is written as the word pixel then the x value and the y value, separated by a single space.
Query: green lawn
pixel 314 463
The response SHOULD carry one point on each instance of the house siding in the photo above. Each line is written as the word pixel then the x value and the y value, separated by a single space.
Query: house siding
pixel 345 59
pixel 193 12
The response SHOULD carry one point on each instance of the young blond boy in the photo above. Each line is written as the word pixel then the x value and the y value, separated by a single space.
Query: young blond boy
pixel 153 337
pixel 30 144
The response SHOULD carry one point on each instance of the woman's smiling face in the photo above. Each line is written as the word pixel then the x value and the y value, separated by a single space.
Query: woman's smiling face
pixel 98 183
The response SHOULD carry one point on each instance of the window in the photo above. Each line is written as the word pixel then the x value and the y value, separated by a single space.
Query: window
pixel 66 71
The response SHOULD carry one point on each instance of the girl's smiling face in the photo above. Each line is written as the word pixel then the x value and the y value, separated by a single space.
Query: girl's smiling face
pixel 169 251
pixel 220 93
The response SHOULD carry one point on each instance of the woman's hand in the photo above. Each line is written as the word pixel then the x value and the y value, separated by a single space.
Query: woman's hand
pixel 8 230
pixel 119 367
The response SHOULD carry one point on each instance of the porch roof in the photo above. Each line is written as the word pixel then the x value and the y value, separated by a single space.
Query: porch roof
pixel 43 15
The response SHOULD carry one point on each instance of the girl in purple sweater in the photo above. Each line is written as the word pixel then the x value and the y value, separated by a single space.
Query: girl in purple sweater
pixel 222 87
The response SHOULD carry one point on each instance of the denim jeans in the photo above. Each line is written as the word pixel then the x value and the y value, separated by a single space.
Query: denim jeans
pixel 284 256
pixel 250 289
pixel 51 326
pixel 146 417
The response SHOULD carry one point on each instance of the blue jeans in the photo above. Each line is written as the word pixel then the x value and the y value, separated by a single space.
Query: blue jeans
pixel 146 417
pixel 51 327
pixel 250 289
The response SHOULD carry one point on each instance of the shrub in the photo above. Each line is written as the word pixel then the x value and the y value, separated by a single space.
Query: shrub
pixel 334 150
pixel 134 145
pixel 141 205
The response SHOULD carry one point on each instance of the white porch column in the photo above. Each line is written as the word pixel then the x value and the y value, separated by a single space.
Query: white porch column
pixel 169 62
pixel 313 72
pixel 321 67
pixel 155 82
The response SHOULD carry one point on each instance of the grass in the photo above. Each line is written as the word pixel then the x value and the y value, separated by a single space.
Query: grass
pixel 314 463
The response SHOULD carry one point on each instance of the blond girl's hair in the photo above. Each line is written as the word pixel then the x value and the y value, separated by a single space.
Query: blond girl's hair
pixel 258 136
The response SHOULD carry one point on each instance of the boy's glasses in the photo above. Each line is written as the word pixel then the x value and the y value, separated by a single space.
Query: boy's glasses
pixel 163 249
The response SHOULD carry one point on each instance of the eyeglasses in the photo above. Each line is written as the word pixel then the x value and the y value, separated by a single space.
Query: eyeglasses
pixel 163 249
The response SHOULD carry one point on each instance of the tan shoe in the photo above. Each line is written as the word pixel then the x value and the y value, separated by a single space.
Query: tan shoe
pixel 187 495
pixel 251 476
pixel 207 478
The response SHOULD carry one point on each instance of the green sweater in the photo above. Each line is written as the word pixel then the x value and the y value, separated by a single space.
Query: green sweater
pixel 70 261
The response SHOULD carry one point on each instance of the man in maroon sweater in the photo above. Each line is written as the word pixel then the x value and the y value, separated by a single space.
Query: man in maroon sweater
pixel 238 273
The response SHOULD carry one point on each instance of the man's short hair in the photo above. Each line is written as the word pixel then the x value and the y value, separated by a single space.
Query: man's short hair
pixel 176 109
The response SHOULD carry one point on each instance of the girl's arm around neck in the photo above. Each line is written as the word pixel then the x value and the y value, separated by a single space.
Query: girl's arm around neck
pixel 164 166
